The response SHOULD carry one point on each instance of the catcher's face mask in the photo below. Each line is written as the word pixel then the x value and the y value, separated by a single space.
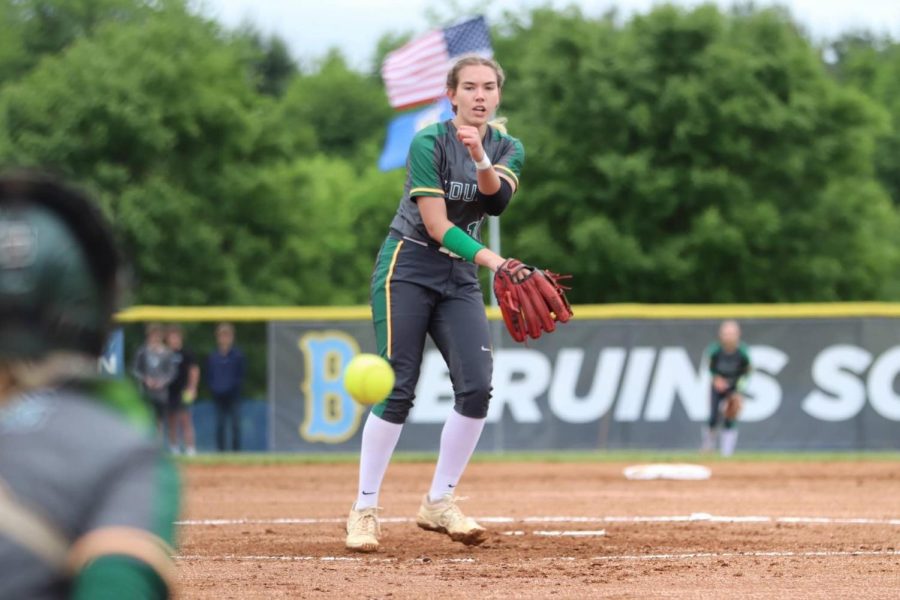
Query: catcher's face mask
pixel 59 269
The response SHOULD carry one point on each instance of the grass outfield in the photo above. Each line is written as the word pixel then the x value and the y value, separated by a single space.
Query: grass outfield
pixel 638 456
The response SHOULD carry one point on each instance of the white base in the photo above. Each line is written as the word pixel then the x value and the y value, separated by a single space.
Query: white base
pixel 667 471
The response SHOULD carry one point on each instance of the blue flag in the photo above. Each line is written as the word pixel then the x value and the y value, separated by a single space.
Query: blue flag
pixel 112 362
pixel 402 129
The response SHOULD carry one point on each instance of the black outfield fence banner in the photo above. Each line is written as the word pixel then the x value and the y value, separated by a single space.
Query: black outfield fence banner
pixel 819 382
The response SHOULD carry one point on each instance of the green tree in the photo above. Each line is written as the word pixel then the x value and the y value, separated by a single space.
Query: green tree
pixel 693 156
pixel 271 61
pixel 872 65
pixel 162 118
pixel 223 195
pixel 45 27
pixel 345 108
pixel 224 190
pixel 13 54
pixel 685 155
pixel 312 235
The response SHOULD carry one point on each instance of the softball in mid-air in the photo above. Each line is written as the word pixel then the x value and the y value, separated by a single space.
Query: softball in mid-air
pixel 368 378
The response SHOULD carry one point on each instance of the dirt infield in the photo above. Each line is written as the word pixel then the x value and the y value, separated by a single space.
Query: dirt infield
pixel 754 530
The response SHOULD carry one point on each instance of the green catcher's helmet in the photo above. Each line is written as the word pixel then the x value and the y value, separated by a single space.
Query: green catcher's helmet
pixel 59 269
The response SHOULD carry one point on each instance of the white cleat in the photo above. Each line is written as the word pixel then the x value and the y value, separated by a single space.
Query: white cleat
pixel 444 516
pixel 363 530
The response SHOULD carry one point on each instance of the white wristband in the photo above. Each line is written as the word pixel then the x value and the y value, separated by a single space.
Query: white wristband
pixel 484 164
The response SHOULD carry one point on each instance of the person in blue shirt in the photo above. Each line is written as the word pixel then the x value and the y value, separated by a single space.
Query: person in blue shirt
pixel 225 369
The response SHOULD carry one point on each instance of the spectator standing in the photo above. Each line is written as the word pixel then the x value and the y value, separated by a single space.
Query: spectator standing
pixel 225 377
pixel 154 369
pixel 182 393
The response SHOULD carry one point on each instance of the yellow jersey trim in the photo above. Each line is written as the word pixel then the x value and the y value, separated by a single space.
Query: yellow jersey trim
pixel 387 295
pixel 31 530
pixel 509 172
pixel 126 541
pixel 425 191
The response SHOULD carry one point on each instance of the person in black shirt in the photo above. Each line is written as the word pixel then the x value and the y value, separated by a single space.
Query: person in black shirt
pixel 182 392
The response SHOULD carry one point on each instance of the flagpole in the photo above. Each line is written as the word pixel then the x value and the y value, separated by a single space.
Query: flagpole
pixel 494 234
pixel 496 326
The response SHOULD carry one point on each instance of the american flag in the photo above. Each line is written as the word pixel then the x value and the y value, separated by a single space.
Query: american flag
pixel 417 72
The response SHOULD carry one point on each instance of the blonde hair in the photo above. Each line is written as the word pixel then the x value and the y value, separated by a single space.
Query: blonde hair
pixel 499 124
pixel 24 375
pixel 474 60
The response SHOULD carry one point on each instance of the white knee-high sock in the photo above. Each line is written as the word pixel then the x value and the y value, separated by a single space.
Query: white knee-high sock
pixel 708 441
pixel 458 441
pixel 728 441
pixel 379 439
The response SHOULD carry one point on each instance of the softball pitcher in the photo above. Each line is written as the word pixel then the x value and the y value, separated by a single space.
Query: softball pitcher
pixel 87 500
pixel 425 282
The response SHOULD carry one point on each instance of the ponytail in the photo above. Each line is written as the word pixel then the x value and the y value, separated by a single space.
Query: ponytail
pixel 499 123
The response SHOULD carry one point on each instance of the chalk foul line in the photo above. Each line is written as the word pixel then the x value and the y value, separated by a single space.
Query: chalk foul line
pixel 694 517
pixel 683 556
pixel 557 533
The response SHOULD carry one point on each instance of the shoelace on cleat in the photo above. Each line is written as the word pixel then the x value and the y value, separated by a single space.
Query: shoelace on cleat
pixel 452 513
pixel 368 524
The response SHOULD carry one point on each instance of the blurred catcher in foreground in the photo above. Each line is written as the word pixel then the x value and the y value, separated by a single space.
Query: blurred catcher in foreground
pixel 87 500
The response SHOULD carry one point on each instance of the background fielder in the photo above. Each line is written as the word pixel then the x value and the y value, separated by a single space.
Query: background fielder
pixel 729 365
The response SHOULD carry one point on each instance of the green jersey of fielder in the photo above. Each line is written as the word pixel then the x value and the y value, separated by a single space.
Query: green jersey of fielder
pixel 729 366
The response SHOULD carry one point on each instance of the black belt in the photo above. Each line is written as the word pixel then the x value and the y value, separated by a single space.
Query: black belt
pixel 433 245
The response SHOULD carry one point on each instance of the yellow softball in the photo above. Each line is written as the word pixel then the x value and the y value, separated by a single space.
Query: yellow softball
pixel 368 378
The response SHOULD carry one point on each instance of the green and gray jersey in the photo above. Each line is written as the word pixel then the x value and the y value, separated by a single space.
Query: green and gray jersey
pixel 733 366
pixel 80 477
pixel 440 165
